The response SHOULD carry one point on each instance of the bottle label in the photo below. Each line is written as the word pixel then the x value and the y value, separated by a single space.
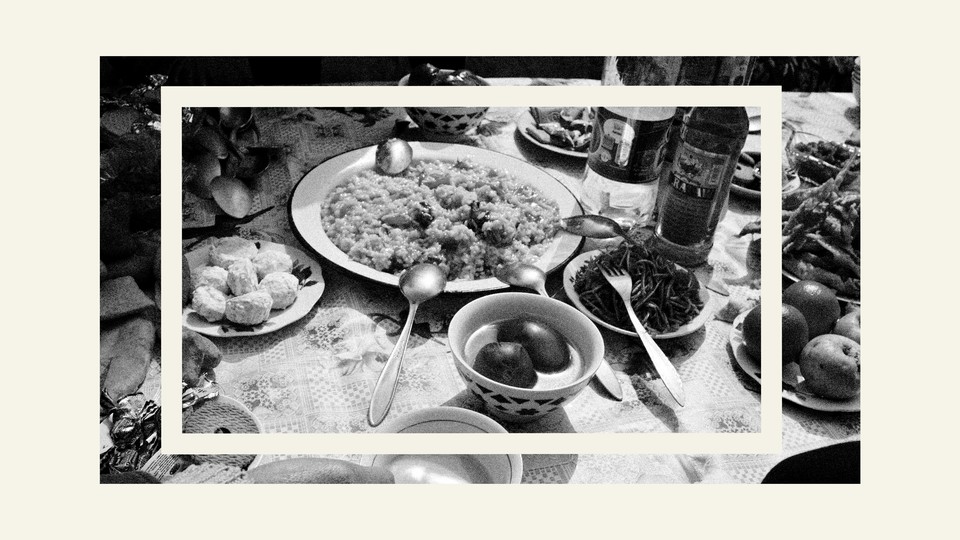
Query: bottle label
pixel 628 150
pixel 698 173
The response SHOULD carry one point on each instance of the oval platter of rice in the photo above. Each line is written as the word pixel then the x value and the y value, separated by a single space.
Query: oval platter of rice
pixel 466 209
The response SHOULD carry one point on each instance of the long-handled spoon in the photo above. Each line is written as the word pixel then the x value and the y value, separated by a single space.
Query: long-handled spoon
pixel 531 277
pixel 418 284
pixel 592 226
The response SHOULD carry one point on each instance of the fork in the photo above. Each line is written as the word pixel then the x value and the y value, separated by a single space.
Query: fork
pixel 623 284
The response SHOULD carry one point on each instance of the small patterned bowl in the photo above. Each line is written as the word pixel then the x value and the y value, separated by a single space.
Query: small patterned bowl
pixel 513 404
pixel 447 121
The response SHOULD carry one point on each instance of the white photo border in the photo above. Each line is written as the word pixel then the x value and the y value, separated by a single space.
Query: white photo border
pixel 767 441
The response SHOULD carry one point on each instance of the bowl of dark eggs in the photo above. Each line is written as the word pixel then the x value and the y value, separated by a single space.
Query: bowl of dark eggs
pixel 524 355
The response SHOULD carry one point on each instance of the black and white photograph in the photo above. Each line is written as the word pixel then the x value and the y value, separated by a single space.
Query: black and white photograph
pixel 536 269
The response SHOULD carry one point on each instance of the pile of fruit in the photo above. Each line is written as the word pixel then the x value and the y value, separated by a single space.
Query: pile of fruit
pixel 824 344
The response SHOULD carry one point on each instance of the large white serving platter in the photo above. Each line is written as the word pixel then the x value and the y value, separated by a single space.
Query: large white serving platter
pixel 307 201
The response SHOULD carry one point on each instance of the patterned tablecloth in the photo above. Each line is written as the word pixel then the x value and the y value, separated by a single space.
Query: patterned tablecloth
pixel 316 375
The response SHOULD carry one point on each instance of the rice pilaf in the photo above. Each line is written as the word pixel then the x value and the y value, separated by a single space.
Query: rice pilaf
pixel 466 218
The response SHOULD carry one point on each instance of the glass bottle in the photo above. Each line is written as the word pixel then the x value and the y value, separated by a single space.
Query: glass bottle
pixel 715 70
pixel 711 140
pixel 624 164
pixel 641 70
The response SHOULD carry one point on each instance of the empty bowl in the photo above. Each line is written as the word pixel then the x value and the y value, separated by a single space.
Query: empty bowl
pixel 552 391
pixel 447 468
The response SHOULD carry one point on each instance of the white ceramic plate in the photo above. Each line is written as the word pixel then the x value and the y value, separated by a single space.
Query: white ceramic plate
pixel 306 204
pixel 709 304
pixel 306 298
pixel 793 277
pixel 526 120
pixel 447 469
pixel 791 377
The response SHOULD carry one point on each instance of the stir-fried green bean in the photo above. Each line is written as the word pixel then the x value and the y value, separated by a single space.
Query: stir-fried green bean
pixel 664 296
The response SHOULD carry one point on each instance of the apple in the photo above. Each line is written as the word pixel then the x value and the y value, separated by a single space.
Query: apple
pixel 830 365
pixel 849 326
pixel 506 363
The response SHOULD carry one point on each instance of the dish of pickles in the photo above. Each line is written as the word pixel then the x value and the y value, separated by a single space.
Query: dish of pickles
pixel 562 130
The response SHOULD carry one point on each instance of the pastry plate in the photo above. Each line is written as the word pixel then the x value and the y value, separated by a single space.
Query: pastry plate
pixel 307 297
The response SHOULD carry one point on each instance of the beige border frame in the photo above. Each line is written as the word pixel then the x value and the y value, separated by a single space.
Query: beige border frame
pixel 768 440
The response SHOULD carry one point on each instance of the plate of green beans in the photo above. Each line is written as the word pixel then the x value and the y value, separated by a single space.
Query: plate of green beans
pixel 667 298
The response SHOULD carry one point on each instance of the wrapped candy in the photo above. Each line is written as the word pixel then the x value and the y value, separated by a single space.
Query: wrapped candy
pixel 134 430
pixel 205 389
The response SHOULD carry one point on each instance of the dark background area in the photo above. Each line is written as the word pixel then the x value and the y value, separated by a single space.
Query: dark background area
pixel 793 73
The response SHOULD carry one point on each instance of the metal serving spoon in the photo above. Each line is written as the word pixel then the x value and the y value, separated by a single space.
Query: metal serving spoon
pixel 595 227
pixel 418 284
pixel 531 277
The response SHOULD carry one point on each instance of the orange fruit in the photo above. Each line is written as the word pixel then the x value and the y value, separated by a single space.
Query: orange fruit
pixel 794 331
pixel 751 332
pixel 817 303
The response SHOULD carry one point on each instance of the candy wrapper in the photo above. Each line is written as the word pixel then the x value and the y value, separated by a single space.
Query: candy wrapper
pixel 134 429
pixel 205 389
